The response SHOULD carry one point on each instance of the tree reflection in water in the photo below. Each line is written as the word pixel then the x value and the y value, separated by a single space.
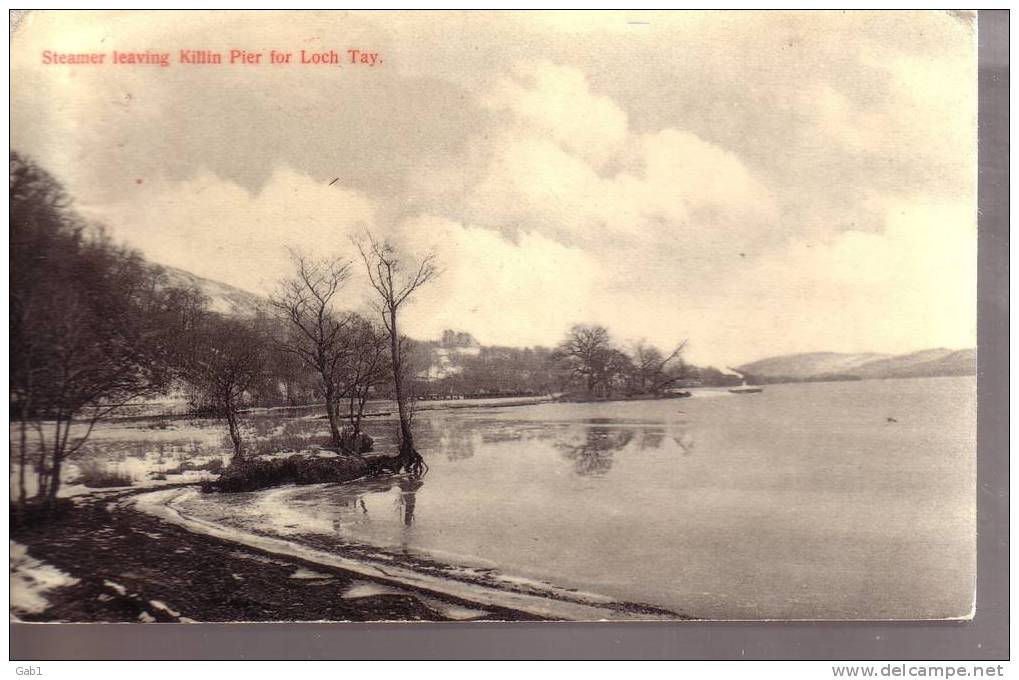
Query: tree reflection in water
pixel 407 499
pixel 458 443
pixel 590 446
pixel 652 438
pixel 354 510
pixel 684 440
pixel 593 455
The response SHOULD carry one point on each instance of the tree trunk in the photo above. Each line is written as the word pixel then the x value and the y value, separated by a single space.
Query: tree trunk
pixel 332 410
pixel 42 478
pixel 362 400
pixel 355 411
pixel 54 482
pixel 410 460
pixel 354 415
pixel 59 446
pixel 235 434
pixel 22 453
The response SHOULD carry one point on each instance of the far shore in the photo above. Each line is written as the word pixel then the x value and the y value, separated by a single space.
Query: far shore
pixel 383 409
pixel 380 409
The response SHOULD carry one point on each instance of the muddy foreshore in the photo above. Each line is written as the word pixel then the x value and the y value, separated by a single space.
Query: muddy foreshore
pixel 134 567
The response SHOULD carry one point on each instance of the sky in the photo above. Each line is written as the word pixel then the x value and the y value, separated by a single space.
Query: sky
pixel 757 183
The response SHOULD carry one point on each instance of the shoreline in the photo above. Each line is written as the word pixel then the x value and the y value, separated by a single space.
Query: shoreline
pixel 534 598
pixel 423 405
pixel 131 567
pixel 133 558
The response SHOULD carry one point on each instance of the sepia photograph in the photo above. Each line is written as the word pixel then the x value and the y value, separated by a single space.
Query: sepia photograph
pixel 460 316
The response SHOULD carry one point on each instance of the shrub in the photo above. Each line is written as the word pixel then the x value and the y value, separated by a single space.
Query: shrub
pixel 322 470
pixel 214 465
pixel 287 442
pixel 95 475
pixel 251 475
pixel 362 443
pixel 265 426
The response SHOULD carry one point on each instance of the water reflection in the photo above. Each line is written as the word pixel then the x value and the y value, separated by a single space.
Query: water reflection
pixel 407 498
pixel 589 444
pixel 456 440
pixel 652 438
pixel 592 449
pixel 458 443
pixel 685 441
pixel 713 486
pixel 350 506
pixel 592 456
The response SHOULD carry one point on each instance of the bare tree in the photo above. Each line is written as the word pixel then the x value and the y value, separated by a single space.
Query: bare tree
pixel 317 331
pixel 651 367
pixel 364 369
pixel 588 352
pixel 394 282
pixel 227 360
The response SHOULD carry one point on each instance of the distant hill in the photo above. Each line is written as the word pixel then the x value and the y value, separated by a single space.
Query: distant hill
pixel 833 365
pixel 223 298
pixel 929 362
pixel 227 299
pixel 812 364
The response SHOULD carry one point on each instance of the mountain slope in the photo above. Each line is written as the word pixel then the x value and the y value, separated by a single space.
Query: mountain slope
pixel 809 365
pixel 928 362
pixel 815 365
pixel 223 298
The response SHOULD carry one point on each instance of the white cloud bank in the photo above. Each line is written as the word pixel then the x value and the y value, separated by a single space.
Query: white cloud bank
pixel 560 212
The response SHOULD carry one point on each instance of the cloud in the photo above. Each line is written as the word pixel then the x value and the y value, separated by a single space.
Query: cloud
pixel 556 103
pixel 215 228
pixel 809 187
pixel 908 286
pixel 565 164
pixel 506 292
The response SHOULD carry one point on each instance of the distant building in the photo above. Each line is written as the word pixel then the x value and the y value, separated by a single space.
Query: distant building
pixel 443 358
pixel 454 339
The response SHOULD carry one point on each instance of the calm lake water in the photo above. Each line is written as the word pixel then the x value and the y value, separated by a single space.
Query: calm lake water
pixel 804 501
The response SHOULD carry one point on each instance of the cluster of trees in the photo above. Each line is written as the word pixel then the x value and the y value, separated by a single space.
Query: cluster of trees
pixel 496 371
pixel 591 362
pixel 586 363
pixel 94 326
pixel 91 326
pixel 310 346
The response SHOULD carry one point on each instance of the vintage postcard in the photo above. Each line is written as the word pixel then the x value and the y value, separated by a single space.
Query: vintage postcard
pixel 492 316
